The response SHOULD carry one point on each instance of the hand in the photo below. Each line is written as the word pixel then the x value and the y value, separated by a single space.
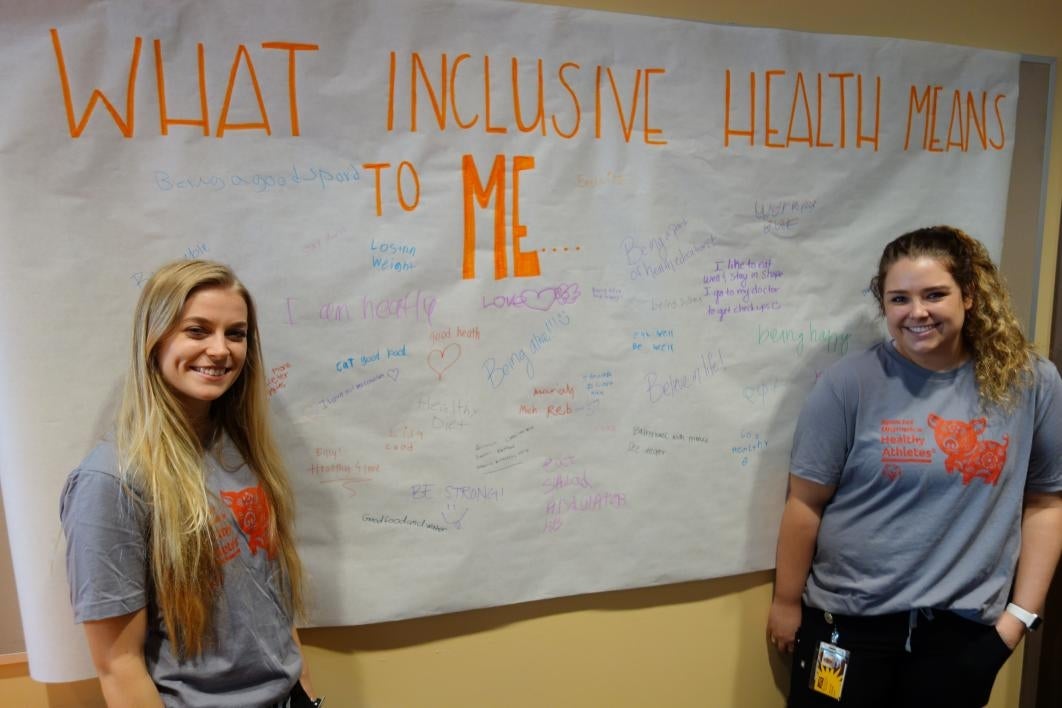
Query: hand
pixel 1010 629
pixel 782 624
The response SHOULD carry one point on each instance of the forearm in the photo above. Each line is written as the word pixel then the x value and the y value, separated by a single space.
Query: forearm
pixel 796 547
pixel 304 677
pixel 1041 544
pixel 127 684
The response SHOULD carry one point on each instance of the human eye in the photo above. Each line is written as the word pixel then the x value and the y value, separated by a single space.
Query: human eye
pixel 897 299
pixel 238 335
pixel 195 331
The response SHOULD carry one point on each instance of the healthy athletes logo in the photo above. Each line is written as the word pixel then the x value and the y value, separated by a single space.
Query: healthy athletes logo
pixel 903 441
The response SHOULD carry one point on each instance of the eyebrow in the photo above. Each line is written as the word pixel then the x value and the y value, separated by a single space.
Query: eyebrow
pixel 204 320
pixel 925 289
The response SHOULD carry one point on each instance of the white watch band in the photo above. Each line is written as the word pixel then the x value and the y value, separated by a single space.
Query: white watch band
pixel 1029 619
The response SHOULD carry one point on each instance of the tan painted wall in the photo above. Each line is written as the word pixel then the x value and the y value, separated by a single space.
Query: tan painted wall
pixel 694 644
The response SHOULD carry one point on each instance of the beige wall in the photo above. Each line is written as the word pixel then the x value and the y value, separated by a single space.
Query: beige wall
pixel 694 644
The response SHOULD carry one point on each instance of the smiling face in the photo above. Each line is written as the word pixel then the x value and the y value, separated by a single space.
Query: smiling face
pixel 203 355
pixel 925 310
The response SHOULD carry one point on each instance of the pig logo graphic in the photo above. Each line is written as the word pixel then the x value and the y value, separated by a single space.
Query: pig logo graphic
pixel 251 510
pixel 966 452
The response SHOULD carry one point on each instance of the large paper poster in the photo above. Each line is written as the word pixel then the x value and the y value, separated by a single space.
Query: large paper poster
pixel 541 289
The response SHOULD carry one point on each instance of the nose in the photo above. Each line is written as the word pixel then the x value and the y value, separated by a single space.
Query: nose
pixel 918 309
pixel 218 346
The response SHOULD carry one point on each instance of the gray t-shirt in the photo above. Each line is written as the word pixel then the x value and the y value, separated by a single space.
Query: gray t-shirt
pixel 927 512
pixel 254 661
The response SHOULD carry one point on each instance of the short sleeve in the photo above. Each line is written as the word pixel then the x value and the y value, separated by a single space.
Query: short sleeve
pixel 1045 458
pixel 106 552
pixel 823 436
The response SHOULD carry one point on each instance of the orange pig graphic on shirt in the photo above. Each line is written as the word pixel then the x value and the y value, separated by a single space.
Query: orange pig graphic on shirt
pixel 251 509
pixel 966 452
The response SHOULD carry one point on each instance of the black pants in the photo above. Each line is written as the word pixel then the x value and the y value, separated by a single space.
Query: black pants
pixel 952 661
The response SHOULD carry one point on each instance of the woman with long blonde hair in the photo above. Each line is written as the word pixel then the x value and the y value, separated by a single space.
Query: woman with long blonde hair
pixel 180 530
pixel 924 517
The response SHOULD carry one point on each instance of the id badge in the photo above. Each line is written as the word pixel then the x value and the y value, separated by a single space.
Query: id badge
pixel 831 663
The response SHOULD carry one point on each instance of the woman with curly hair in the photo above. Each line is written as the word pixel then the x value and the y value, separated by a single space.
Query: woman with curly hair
pixel 923 521
pixel 180 541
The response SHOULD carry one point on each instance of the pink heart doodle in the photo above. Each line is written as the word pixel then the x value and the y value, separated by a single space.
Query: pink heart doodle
pixel 445 358
pixel 540 299
pixel 891 472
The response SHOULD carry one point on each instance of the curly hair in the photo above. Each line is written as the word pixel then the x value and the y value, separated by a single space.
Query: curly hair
pixel 1003 357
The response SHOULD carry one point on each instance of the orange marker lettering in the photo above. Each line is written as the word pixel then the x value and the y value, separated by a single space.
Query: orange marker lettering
pixel 223 124
pixel 646 130
pixel 160 84
pixel 126 125
pixel 293 102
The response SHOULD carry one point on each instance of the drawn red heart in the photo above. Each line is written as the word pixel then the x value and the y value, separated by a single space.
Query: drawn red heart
pixel 439 360
pixel 891 472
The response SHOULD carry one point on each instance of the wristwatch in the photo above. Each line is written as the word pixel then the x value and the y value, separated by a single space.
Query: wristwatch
pixel 1031 620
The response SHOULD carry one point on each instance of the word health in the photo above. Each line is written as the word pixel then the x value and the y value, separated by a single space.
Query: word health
pixel 258 181
pixel 752 443
pixel 242 66
pixel 667 385
pixel 447 414
pixel 452 107
pixel 366 359
pixel 832 342
pixel 804 125
pixel 329 472
pixel 782 217
pixel 644 340
pixel 541 299
pixel 389 256
pixel 653 262
pixel 451 332
pixel 838 113
pixel 347 476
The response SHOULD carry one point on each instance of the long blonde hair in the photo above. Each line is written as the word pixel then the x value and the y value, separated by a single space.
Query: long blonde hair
pixel 1003 357
pixel 163 459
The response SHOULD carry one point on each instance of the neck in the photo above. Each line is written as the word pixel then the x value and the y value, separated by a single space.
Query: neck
pixel 204 427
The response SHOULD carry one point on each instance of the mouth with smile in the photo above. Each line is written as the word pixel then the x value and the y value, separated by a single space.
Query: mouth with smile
pixel 211 371
pixel 921 329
